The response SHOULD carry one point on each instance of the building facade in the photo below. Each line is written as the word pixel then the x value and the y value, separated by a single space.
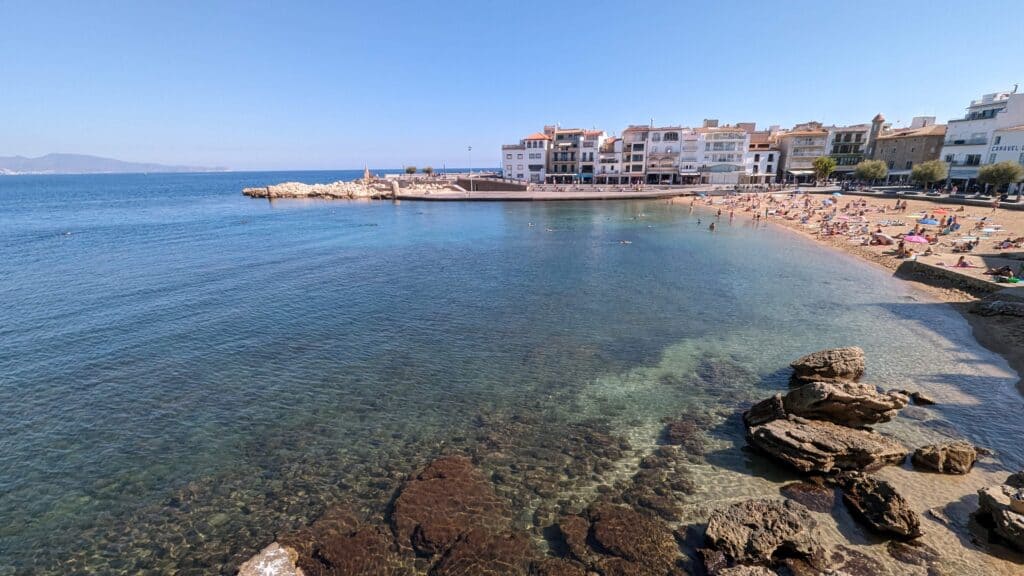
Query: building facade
pixel 969 140
pixel 564 154
pixel 903 148
pixel 724 150
pixel 799 147
pixel 1007 145
pixel 851 145
pixel 763 155
pixel 526 160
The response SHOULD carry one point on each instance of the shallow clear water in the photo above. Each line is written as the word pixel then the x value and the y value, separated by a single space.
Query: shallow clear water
pixel 184 371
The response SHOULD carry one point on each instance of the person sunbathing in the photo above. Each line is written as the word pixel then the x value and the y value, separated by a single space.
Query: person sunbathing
pixel 1003 272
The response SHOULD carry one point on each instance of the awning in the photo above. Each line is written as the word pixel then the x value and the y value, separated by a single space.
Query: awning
pixel 800 172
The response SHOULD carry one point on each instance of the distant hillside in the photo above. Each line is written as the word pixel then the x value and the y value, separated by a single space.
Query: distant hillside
pixel 84 164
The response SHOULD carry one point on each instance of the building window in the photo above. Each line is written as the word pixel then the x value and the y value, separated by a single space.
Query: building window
pixel 892 164
pixel 973 159
pixel 857 137
pixel 998 139
pixel 508 167
pixel 991 158
pixel 757 157
pixel 656 137
pixel 508 156
pixel 909 165
pixel 519 156
pixel 519 167
pixel 771 157
pixel 950 158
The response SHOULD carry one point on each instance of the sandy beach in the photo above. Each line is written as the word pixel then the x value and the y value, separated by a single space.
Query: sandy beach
pixel 848 223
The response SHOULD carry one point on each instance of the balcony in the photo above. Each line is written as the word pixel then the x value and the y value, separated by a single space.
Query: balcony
pixel 966 142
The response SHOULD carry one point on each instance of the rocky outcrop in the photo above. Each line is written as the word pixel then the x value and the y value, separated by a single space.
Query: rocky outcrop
pixel 760 533
pixel 1003 507
pixel 823 447
pixel 441 503
pixel 618 540
pixel 947 458
pixel 998 308
pixel 829 365
pixel 274 560
pixel 879 506
pixel 845 403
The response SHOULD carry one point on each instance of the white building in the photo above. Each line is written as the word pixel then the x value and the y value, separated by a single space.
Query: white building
pixel 610 162
pixel 663 152
pixel 526 160
pixel 723 154
pixel 590 147
pixel 1007 145
pixel 762 160
pixel 969 140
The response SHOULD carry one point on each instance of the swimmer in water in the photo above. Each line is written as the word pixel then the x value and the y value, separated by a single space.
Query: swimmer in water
pixel 712 227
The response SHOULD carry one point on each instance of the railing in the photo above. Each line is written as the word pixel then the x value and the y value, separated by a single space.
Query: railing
pixel 966 142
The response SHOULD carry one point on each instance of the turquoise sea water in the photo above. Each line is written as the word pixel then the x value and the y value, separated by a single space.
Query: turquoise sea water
pixel 184 371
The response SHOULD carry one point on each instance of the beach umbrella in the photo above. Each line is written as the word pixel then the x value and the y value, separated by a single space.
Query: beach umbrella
pixel 837 194
pixel 915 239
pixel 941 211
pixel 928 221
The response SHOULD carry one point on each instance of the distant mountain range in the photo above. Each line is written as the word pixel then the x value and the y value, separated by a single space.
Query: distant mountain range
pixel 84 164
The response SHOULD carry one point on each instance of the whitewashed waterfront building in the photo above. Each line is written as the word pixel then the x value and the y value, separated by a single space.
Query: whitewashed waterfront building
pixel 969 140
pixel 526 160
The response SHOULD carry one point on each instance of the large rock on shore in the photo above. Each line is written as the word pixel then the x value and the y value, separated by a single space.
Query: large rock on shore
pixel 1002 505
pixel 845 403
pixel 879 505
pixel 761 532
pixel 823 447
pixel 441 503
pixel 829 365
pixel 947 458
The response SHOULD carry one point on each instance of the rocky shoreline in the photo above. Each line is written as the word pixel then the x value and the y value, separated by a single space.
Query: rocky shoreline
pixel 449 517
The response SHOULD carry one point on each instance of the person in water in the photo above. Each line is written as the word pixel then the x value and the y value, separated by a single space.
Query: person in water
pixel 712 227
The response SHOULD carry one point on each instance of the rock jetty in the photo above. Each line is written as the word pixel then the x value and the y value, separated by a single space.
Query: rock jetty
pixel 375 188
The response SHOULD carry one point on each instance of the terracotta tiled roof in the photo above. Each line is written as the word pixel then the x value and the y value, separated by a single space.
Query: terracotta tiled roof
pixel 806 133
pixel 933 130
pixel 537 136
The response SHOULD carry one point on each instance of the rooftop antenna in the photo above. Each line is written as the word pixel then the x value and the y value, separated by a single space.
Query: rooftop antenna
pixel 1014 89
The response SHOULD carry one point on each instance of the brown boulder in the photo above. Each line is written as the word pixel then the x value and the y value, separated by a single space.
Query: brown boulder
pixel 443 502
pixel 997 504
pixel 823 447
pixel 829 365
pixel 762 532
pixel 948 458
pixel 844 403
pixel 557 567
pixel 879 505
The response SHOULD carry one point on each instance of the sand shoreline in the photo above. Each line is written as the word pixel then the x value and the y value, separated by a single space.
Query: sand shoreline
pixel 999 334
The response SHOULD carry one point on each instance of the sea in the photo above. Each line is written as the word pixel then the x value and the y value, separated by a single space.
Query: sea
pixel 186 373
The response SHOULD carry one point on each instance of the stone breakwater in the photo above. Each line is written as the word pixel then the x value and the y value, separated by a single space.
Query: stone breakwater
pixel 451 516
pixel 376 188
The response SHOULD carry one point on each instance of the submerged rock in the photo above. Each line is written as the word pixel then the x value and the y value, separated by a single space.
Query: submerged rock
pixel 762 532
pixel 823 447
pixel 616 540
pixel 274 560
pixel 845 403
pixel 999 505
pixel 947 458
pixel 484 553
pixel 338 544
pixel 829 365
pixel 441 503
pixel 815 497
pixel 879 505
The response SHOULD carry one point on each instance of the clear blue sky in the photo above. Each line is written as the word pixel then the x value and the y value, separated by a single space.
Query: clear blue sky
pixel 281 85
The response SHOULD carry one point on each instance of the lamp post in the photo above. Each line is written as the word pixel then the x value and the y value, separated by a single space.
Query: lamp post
pixel 470 150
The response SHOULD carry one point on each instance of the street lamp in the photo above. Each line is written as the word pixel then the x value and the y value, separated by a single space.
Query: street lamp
pixel 470 150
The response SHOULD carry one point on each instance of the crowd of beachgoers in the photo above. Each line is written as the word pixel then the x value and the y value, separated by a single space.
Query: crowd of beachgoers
pixel 902 229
